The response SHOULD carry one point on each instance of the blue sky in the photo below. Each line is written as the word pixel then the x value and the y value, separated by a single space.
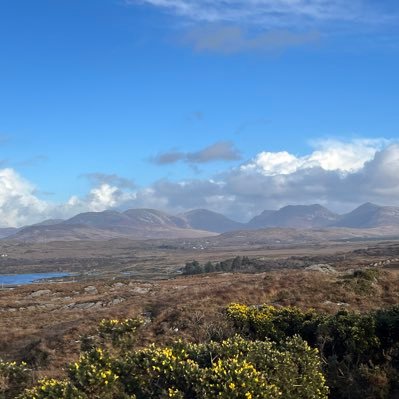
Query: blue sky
pixel 95 92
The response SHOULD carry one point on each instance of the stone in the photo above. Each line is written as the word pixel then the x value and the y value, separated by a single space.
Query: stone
pixel 117 301
pixel 91 290
pixel 321 267
pixel 40 293
pixel 140 290
pixel 117 286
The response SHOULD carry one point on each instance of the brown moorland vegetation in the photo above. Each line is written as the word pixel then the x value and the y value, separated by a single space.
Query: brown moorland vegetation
pixel 43 324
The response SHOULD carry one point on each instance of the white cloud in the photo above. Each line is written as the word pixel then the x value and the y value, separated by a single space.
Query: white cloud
pixel 100 198
pixel 330 155
pixel 18 203
pixel 268 13
pixel 233 26
pixel 340 175
pixel 103 197
pixel 274 163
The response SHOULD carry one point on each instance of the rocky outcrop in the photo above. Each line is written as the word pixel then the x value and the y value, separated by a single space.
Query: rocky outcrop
pixel 321 267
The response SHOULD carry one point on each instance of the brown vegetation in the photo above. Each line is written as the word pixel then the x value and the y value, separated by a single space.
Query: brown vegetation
pixel 45 330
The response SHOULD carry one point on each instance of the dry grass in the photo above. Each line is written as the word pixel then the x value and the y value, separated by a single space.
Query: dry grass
pixel 189 307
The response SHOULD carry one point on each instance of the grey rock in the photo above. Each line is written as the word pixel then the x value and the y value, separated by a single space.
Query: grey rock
pixel 321 267
pixel 40 293
pixel 117 301
pixel 91 290
pixel 140 290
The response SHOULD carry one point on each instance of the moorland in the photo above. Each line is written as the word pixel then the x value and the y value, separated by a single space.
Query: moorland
pixel 333 271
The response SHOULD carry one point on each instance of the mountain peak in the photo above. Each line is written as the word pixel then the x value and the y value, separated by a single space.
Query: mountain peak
pixel 204 219
pixel 370 215
pixel 369 205
pixel 298 216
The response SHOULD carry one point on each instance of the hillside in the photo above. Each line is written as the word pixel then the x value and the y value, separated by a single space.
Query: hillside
pixel 370 215
pixel 296 216
pixel 134 224
pixel 368 220
pixel 203 219
pixel 7 231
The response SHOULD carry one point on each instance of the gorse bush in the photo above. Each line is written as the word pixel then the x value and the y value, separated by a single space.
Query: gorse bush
pixel 53 389
pixel 360 352
pixel 94 374
pixel 14 378
pixel 274 323
pixel 277 352
pixel 121 333
pixel 234 368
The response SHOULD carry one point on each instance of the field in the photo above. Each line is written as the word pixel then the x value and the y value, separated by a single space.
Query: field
pixel 43 323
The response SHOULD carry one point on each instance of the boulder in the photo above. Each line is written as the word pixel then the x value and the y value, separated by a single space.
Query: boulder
pixel 40 293
pixel 91 290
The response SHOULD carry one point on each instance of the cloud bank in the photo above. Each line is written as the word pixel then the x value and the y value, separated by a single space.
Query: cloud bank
pixel 337 174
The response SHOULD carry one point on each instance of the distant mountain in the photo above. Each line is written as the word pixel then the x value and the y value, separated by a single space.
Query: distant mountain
pixel 370 215
pixel 202 219
pixel 134 224
pixel 261 221
pixel 106 220
pixel 281 237
pixel 63 232
pixel 10 231
pixel 295 216
pixel 49 222
pixel 152 217
pixel 139 224
pixel 7 231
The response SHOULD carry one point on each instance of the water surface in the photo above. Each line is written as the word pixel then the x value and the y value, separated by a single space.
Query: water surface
pixel 29 278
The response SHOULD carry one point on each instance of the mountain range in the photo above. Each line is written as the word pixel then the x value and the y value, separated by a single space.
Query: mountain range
pixel 151 223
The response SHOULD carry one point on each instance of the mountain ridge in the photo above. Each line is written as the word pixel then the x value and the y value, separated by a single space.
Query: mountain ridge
pixel 204 219
pixel 296 216
pixel 145 223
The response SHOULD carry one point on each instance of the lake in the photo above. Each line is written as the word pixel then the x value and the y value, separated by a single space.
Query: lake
pixel 21 279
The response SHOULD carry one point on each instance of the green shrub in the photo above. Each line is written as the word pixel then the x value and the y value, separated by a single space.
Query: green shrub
pixel 93 374
pixel 234 368
pixel 275 323
pixel 53 389
pixel 277 354
pixel 361 281
pixel 121 333
pixel 367 274
pixel 14 378
pixel 360 352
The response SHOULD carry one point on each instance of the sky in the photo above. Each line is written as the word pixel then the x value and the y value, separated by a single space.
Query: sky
pixel 231 105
